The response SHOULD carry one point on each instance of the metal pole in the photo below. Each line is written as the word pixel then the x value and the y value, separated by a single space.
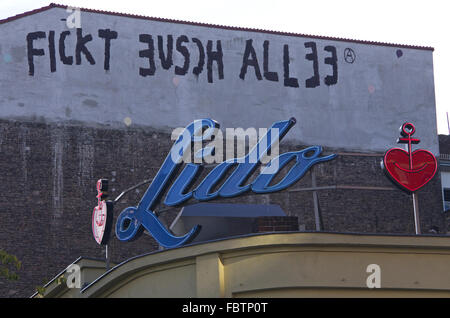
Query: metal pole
pixel 414 197
pixel 107 257
pixel 448 124
pixel 316 201
pixel 416 212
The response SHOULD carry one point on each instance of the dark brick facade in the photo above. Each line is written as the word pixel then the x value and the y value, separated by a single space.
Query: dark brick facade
pixel 47 192
pixel 275 224
pixel 444 144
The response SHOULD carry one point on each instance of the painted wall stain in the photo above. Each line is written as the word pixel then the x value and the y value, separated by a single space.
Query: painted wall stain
pixel 18 53
pixel 68 112
pixel 90 103
pixel 57 172
pixel 86 174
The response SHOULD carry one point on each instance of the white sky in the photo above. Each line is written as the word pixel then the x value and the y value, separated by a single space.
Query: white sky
pixel 424 23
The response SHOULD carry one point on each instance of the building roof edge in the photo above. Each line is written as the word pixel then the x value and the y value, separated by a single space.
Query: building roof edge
pixel 217 26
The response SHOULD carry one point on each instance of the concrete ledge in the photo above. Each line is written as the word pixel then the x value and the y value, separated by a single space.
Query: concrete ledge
pixel 285 265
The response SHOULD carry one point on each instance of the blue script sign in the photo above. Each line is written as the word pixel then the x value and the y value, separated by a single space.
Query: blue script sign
pixel 133 220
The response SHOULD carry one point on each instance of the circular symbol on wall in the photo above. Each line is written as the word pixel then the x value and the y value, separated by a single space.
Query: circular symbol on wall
pixel 349 55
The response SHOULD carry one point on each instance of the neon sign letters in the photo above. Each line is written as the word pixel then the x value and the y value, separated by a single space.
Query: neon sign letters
pixel 409 170
pixel 132 221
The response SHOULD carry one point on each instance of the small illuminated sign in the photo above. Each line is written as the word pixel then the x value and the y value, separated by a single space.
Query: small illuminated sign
pixel 410 170
pixel 102 215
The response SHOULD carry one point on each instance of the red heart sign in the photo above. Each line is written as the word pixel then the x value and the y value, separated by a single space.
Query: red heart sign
pixel 410 173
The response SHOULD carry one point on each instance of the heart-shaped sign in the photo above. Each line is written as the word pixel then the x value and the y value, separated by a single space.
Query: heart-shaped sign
pixel 101 222
pixel 410 173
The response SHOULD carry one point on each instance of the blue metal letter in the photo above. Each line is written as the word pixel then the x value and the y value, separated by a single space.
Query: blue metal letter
pixel 175 195
pixel 233 186
pixel 132 219
pixel 303 163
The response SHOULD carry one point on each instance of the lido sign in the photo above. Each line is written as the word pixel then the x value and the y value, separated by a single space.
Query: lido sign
pixel 132 221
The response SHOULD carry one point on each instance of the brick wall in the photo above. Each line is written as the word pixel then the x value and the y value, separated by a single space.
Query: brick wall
pixel 47 193
pixel 275 224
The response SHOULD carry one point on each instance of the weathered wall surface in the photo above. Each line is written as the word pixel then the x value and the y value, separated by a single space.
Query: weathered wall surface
pixel 344 94
pixel 49 172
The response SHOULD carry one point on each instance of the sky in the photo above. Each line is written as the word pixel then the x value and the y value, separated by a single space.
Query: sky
pixel 411 22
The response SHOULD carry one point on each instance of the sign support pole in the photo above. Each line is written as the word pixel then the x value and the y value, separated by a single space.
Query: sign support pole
pixel 316 202
pixel 408 130
pixel 107 257
pixel 416 213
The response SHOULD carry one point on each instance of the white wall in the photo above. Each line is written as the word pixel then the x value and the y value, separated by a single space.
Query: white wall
pixel 445 179
pixel 373 96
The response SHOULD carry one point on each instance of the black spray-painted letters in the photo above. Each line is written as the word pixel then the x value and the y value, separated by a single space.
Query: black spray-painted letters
pixel 165 54
pixel 81 48
pixel 250 61
pixel 183 55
